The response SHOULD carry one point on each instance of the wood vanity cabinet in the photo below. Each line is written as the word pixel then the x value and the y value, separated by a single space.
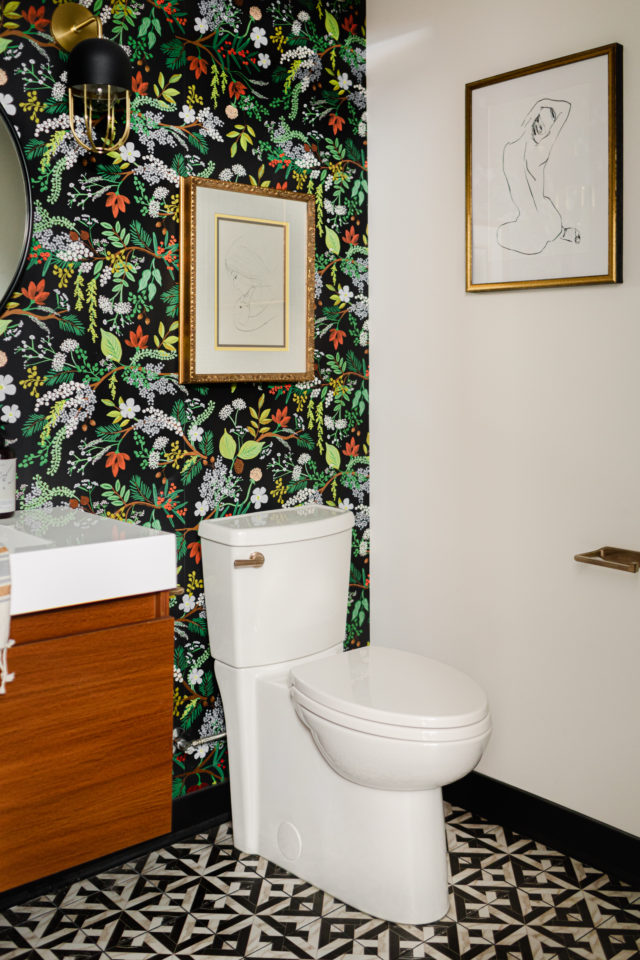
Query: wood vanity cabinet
pixel 85 765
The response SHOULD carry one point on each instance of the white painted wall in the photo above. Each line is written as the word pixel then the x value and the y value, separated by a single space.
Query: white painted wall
pixel 505 425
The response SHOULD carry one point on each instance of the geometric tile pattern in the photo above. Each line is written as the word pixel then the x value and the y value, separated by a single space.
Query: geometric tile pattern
pixel 511 898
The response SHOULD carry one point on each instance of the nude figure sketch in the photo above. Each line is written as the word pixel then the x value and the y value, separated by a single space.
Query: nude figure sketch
pixel 256 300
pixel 524 163
pixel 251 274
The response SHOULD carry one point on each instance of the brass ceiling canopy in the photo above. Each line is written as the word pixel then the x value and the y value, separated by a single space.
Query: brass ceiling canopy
pixel 71 23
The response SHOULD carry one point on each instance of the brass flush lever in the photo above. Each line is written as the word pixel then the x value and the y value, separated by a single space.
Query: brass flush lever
pixel 255 560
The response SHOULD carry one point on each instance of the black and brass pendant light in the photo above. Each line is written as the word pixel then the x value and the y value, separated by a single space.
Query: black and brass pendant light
pixel 99 73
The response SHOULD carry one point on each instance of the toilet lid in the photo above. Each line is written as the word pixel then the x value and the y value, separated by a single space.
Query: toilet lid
pixel 393 686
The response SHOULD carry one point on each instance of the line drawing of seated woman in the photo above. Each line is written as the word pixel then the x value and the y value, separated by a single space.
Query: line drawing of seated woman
pixel 524 163
pixel 256 301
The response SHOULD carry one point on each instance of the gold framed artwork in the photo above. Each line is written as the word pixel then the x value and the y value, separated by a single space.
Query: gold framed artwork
pixel 247 273
pixel 544 174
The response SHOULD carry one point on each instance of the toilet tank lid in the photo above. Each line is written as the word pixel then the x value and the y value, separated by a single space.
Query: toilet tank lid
pixel 306 522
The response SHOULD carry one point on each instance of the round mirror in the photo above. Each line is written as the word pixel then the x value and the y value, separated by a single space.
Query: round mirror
pixel 15 202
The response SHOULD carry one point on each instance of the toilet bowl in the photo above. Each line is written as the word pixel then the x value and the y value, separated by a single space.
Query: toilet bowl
pixel 392 720
pixel 337 759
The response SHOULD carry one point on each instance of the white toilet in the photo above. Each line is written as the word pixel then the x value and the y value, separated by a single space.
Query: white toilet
pixel 337 759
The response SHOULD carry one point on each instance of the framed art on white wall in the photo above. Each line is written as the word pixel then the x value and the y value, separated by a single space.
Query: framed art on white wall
pixel 544 174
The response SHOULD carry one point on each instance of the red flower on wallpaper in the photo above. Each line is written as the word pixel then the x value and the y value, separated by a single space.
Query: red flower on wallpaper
pixel 336 337
pixel 117 202
pixel 336 123
pixel 194 551
pixel 138 85
pixel 351 448
pixel 237 89
pixel 281 417
pixel 350 235
pixel 349 24
pixel 117 461
pixel 35 292
pixel 137 338
pixel 35 16
pixel 282 186
pixel 198 66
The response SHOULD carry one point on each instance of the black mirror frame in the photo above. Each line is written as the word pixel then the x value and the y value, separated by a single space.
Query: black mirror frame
pixel 4 297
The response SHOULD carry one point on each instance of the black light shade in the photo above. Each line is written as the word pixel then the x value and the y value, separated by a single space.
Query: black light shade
pixel 97 64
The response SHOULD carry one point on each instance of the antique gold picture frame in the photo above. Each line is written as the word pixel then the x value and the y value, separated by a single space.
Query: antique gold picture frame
pixel 247 273
pixel 544 174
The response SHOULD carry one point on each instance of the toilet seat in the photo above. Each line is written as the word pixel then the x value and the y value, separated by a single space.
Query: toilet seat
pixel 377 728
pixel 392 693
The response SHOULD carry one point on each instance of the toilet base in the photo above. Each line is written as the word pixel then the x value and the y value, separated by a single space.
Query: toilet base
pixel 381 851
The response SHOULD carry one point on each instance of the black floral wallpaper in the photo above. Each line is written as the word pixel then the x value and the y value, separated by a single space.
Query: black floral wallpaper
pixel 270 94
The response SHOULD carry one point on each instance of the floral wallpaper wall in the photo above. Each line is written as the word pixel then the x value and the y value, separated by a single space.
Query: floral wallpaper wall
pixel 270 94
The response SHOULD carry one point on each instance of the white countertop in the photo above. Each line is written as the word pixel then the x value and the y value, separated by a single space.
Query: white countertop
pixel 61 557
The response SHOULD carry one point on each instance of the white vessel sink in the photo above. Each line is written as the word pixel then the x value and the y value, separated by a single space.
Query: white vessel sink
pixel 61 557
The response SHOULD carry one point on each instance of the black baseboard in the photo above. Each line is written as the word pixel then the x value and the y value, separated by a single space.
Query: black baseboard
pixel 191 814
pixel 200 807
pixel 590 841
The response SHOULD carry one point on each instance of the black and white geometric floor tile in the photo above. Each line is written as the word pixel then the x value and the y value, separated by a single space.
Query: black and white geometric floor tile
pixel 511 898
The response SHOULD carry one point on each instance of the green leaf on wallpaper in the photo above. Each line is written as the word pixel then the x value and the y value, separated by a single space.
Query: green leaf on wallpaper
pixel 181 548
pixel 179 411
pixel 180 165
pixel 145 279
pixel 116 494
pixel 70 324
pixel 249 450
pixel 34 423
pixel 115 235
pixel 174 53
pixel 171 300
pixel 192 469
pixel 331 25
pixel 110 433
pixel 140 236
pixel 178 788
pixel 306 441
pixel 332 240
pixel 199 142
pixel 4 43
pixel 110 346
pixel 32 148
pixel 140 489
pixel 333 456
pixel 207 444
pixel 228 446
pixel 198 626
pixel 63 376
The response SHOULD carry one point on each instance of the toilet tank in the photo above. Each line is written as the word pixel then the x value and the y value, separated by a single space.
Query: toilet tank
pixel 295 604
